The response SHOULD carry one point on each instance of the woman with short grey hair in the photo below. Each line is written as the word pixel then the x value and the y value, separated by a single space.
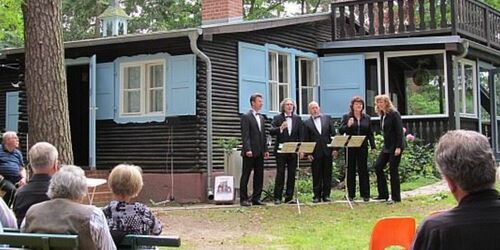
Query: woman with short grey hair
pixel 65 213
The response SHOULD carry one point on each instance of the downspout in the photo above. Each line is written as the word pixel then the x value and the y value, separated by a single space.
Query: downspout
pixel 193 38
pixel 465 46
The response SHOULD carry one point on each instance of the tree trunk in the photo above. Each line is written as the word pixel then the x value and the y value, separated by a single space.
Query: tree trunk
pixel 45 77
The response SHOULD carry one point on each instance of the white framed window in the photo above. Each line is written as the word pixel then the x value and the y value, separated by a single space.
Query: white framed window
pixel 372 79
pixel 279 79
pixel 142 88
pixel 307 84
pixel 416 82
pixel 467 88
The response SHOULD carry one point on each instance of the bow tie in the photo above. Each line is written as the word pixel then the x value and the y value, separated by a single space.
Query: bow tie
pixel 288 116
pixel 257 113
pixel 316 117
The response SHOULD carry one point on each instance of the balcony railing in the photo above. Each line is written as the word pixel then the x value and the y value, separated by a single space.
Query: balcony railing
pixel 368 19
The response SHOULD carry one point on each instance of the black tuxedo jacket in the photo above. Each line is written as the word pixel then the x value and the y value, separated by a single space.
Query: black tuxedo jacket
pixel 252 138
pixel 392 126
pixel 363 127
pixel 311 134
pixel 296 134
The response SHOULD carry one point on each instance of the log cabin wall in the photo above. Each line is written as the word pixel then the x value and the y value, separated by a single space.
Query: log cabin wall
pixel 223 52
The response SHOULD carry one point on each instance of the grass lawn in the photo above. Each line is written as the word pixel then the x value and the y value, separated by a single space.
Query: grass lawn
pixel 324 226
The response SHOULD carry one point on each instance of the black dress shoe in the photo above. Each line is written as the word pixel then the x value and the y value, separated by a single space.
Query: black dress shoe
pixel 258 203
pixel 326 199
pixel 351 198
pixel 277 202
pixel 378 198
pixel 366 199
pixel 245 204
pixel 316 200
pixel 287 200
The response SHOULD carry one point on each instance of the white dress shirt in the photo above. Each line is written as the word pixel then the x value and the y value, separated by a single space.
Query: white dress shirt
pixel 317 123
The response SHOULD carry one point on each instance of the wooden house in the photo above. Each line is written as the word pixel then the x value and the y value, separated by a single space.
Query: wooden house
pixel 162 100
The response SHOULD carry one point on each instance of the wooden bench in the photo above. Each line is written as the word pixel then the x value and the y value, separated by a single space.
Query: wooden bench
pixel 39 241
pixel 129 241
pixel 134 241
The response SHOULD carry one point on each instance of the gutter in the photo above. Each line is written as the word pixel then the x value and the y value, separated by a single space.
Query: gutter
pixel 193 38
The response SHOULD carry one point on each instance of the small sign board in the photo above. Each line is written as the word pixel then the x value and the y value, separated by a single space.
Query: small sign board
pixel 224 189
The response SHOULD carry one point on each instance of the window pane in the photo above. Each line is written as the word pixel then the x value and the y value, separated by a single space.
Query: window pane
pixel 416 84
pixel 132 77
pixel 307 97
pixel 273 72
pixel 460 88
pixel 156 76
pixel 371 85
pixel 469 89
pixel 283 92
pixel 156 101
pixel 283 68
pixel 132 102
pixel 273 94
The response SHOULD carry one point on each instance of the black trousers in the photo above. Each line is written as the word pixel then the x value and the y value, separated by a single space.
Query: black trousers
pixel 382 160
pixel 10 191
pixel 284 162
pixel 322 176
pixel 257 165
pixel 357 160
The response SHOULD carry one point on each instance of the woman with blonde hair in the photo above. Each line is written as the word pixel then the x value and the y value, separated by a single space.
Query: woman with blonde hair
pixel 124 216
pixel 392 129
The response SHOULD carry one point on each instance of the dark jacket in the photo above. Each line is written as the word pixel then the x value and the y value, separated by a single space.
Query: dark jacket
pixel 473 224
pixel 392 127
pixel 252 138
pixel 296 134
pixel 32 193
pixel 322 140
pixel 363 127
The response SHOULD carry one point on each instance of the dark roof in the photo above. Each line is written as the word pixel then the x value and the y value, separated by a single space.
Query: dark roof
pixel 243 26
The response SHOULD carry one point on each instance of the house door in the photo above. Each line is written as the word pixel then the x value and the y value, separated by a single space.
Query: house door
pixel 494 82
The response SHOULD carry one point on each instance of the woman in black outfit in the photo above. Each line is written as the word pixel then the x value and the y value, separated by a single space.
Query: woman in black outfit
pixel 357 122
pixel 392 128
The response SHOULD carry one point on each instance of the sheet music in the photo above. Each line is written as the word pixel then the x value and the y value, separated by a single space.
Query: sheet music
pixel 289 147
pixel 356 141
pixel 339 141
pixel 307 147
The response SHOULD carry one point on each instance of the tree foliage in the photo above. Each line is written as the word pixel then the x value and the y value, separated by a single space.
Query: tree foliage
pixel 11 24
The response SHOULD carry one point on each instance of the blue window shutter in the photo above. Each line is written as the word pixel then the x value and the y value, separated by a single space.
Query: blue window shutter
pixel 341 78
pixel 252 74
pixel 12 111
pixel 105 91
pixel 181 85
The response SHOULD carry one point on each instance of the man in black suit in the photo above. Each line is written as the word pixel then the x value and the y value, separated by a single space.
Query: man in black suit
pixel 319 128
pixel 254 140
pixel 287 127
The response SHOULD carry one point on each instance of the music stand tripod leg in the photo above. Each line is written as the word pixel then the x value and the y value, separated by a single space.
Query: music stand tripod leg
pixel 297 172
pixel 345 177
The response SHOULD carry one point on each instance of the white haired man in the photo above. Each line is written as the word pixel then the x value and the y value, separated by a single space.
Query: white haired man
pixel 43 161
pixel 466 161
pixel 12 172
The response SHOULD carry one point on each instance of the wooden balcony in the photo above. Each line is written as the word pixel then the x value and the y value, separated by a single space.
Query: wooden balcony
pixel 369 19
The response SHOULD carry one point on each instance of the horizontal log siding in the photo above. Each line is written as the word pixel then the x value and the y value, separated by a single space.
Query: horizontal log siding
pixel 147 144
pixel 223 52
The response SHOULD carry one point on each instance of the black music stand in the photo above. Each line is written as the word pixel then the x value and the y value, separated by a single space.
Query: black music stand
pixel 347 141
pixel 297 148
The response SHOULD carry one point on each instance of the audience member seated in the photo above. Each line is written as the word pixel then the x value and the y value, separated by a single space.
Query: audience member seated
pixel 7 218
pixel 64 213
pixel 466 161
pixel 126 217
pixel 43 160
pixel 12 172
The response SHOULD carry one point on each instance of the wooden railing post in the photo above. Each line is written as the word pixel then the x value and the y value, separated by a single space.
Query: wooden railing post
pixel 453 17
pixel 334 21
pixel 486 26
